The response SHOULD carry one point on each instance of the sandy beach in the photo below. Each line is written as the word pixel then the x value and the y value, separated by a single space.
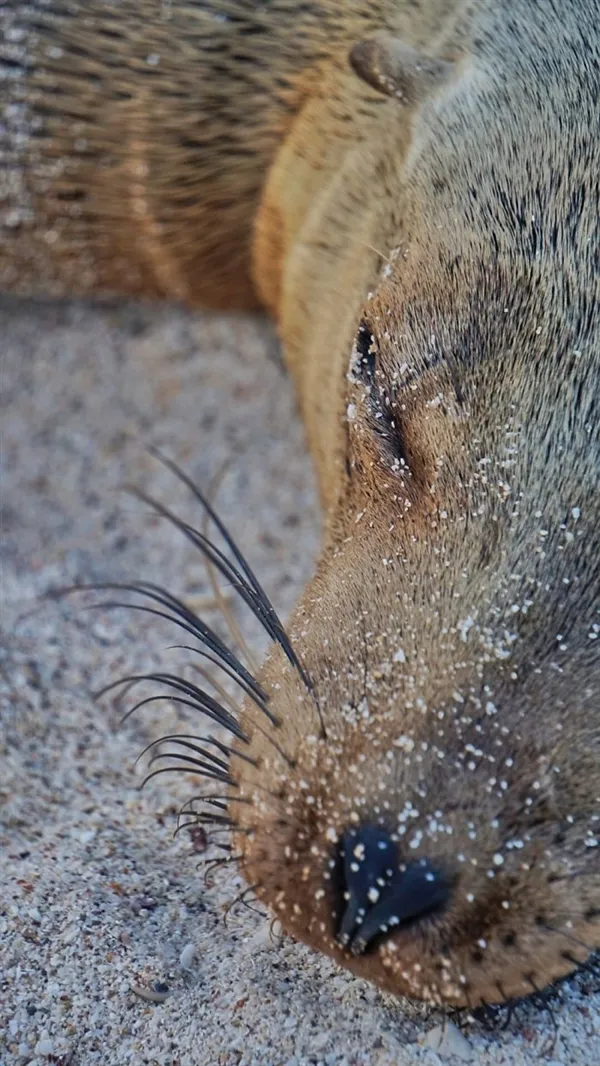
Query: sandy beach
pixel 113 944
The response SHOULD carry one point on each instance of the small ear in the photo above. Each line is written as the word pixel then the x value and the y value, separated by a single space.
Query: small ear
pixel 396 69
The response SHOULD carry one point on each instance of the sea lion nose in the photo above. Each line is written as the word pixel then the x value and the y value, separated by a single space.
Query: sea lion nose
pixel 379 891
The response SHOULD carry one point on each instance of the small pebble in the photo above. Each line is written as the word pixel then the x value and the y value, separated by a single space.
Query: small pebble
pixel 448 1041
pixel 44 1047
pixel 187 956
pixel 157 994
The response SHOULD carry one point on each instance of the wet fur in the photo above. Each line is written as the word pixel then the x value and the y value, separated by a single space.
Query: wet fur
pixel 451 236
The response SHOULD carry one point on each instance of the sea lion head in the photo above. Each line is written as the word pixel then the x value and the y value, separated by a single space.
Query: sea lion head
pixel 427 809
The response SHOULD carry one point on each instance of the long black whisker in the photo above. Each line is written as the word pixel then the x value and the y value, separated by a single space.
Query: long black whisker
pixel 286 758
pixel 206 546
pixel 265 615
pixel 230 673
pixel 231 544
pixel 199 701
pixel 215 683
pixel 182 826
pixel 219 804
pixel 203 702
pixel 228 751
pixel 212 829
pixel 224 719
pixel 211 796
pixel 180 738
pixel 568 936
pixel 278 631
pixel 211 865
pixel 180 684
pixel 180 770
pixel 240 898
pixel 213 760
pixel 119 698
pixel 222 820
pixel 228 614
pixel 196 766
pixel 223 860
pixel 542 1000
pixel 147 610
pixel 183 617
pixel 179 700
pixel 216 805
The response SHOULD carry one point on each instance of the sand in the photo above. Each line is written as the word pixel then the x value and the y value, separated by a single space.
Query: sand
pixel 101 906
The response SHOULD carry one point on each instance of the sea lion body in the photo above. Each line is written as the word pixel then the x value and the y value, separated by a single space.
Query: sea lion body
pixel 427 241
pixel 137 140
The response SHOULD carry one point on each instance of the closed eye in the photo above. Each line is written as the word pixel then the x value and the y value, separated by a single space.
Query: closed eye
pixel 362 366
pixel 382 418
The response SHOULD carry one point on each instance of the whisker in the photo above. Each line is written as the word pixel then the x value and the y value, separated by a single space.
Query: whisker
pixel 207 823
pixel 184 810
pixel 239 681
pixel 214 805
pixel 541 999
pixel 175 737
pixel 511 1010
pixel 222 821
pixel 187 808
pixel 219 805
pixel 214 819
pixel 180 770
pixel 222 718
pixel 198 700
pixel 240 898
pixel 182 617
pixel 218 687
pixel 265 615
pixel 156 699
pixel 230 752
pixel 195 766
pixel 215 864
pixel 182 826
pixel 201 798
pixel 270 616
pixel 182 742
pixel 252 689
pixel 199 651
pixel 557 930
pixel 205 503
pixel 120 697
pixel 226 610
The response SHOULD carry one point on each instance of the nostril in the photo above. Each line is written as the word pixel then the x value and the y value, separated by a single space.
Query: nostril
pixel 380 892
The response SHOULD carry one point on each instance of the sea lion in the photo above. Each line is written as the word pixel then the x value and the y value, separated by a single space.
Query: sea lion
pixel 414 780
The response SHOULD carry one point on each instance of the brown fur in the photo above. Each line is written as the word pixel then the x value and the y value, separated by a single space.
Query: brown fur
pixel 139 136
pixel 451 206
